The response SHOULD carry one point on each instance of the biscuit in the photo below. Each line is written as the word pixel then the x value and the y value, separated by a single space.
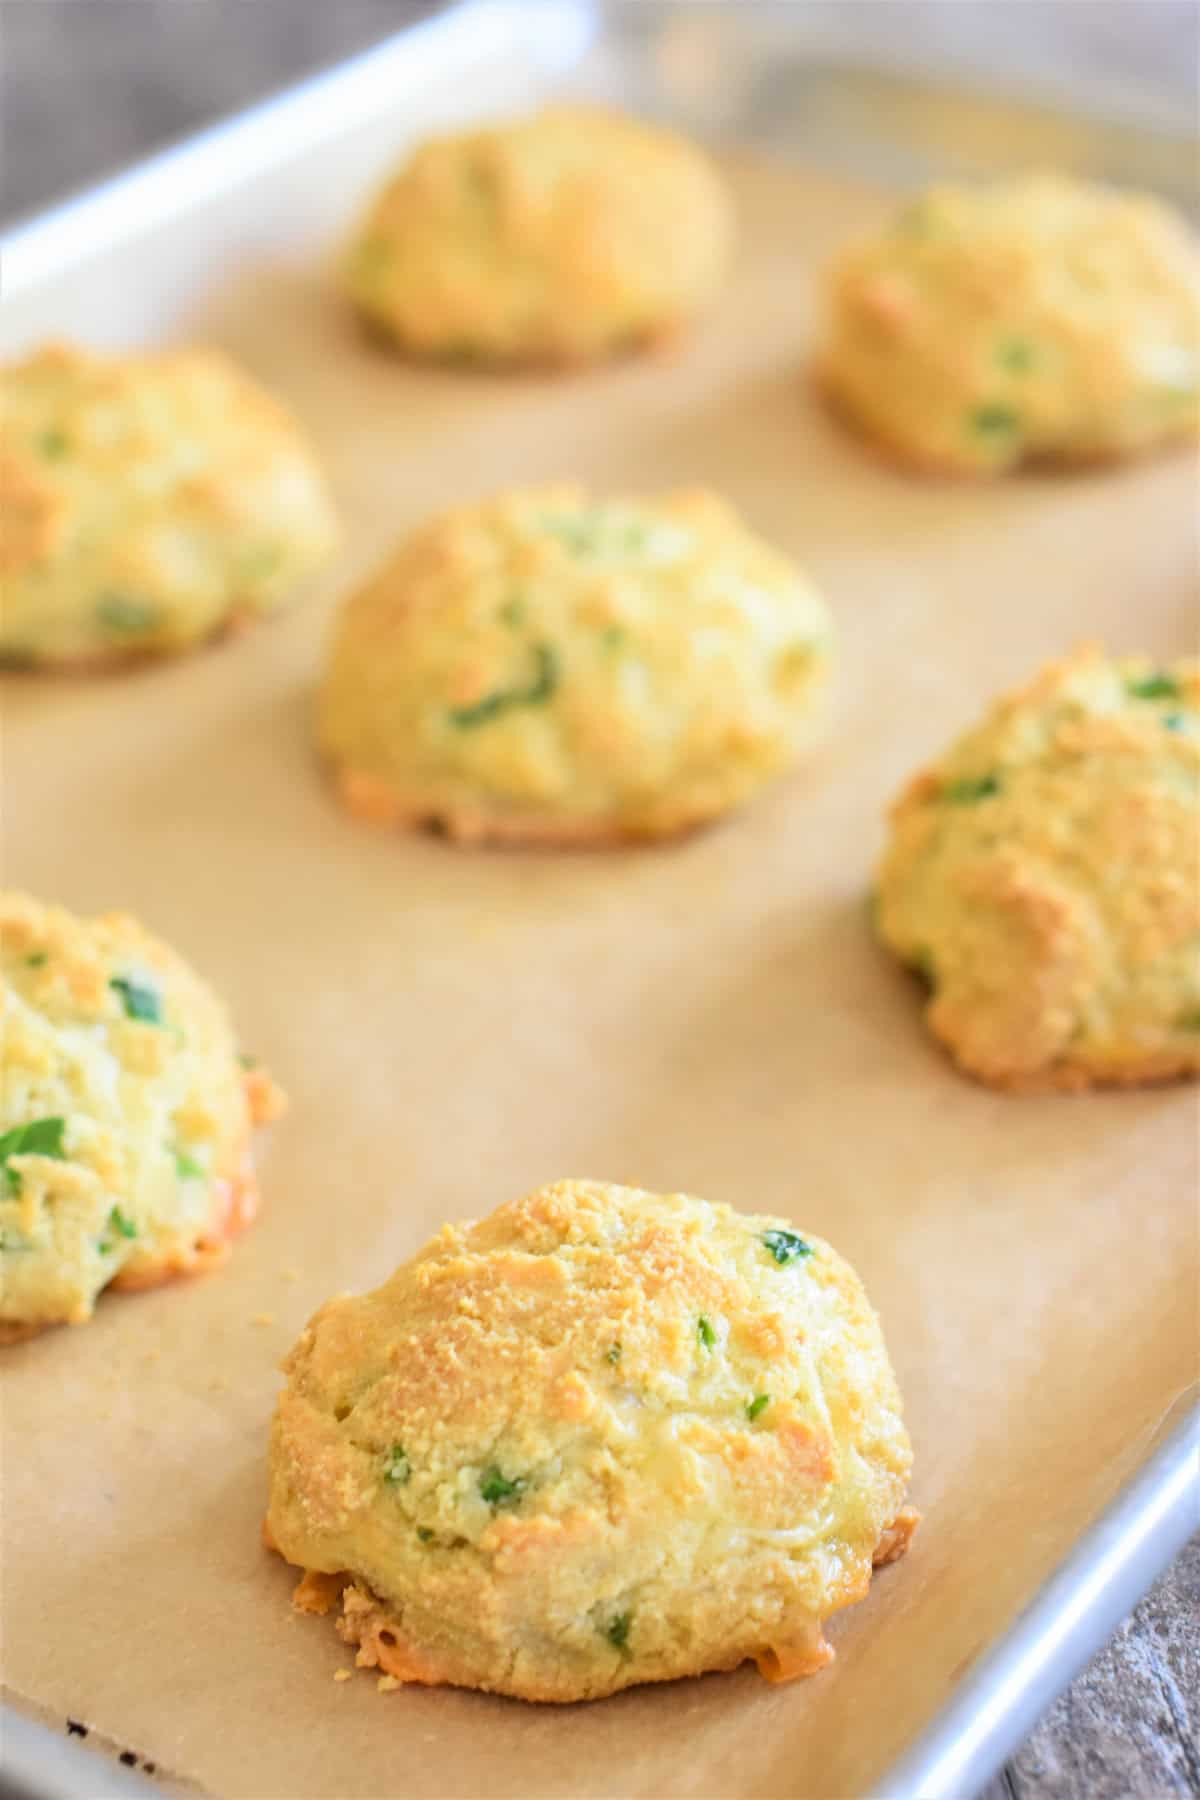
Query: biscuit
pixel 1044 878
pixel 599 1438
pixel 547 667
pixel 1036 318
pixel 125 1116
pixel 558 238
pixel 149 502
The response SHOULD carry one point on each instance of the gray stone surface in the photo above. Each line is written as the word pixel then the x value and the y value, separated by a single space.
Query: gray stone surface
pixel 86 85
pixel 1129 1727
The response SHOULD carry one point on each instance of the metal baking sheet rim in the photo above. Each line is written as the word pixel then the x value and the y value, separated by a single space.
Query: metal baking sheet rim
pixel 1143 1529
pixel 1111 1566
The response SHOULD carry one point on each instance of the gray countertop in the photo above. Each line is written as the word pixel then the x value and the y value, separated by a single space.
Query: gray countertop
pixel 86 85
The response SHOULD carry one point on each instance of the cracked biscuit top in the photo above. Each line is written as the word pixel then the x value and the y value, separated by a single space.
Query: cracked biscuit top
pixel 546 665
pixel 149 501
pixel 562 237
pixel 1034 318
pixel 1043 876
pixel 125 1115
pixel 600 1437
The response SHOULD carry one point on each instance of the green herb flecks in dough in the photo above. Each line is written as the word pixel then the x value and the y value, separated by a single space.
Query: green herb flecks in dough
pixel 397 1468
pixel 786 1246
pixel 502 700
pixel 498 1490
pixel 1158 686
pixel 123 616
pixel 995 423
pixel 139 1000
pixel 40 1137
pixel 968 789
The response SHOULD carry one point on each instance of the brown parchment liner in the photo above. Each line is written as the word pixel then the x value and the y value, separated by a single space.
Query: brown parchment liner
pixel 455 1026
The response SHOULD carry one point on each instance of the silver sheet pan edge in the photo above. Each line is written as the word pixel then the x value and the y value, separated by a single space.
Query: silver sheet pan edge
pixel 1121 1555
pixel 1110 1568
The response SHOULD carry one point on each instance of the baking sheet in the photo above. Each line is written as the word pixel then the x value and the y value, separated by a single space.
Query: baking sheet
pixel 456 1027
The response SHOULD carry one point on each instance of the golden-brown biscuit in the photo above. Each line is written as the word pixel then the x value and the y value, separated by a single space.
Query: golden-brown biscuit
pixel 557 238
pixel 149 501
pixel 548 667
pixel 600 1437
pixel 1043 875
pixel 1038 318
pixel 125 1116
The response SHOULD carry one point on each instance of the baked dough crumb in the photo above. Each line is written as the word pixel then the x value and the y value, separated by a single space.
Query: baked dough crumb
pixel 1043 880
pixel 556 239
pixel 125 1116
pixel 549 667
pixel 598 1438
pixel 990 324
pixel 150 502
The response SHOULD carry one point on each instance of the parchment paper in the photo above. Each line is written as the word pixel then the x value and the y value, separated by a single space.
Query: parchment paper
pixel 455 1027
